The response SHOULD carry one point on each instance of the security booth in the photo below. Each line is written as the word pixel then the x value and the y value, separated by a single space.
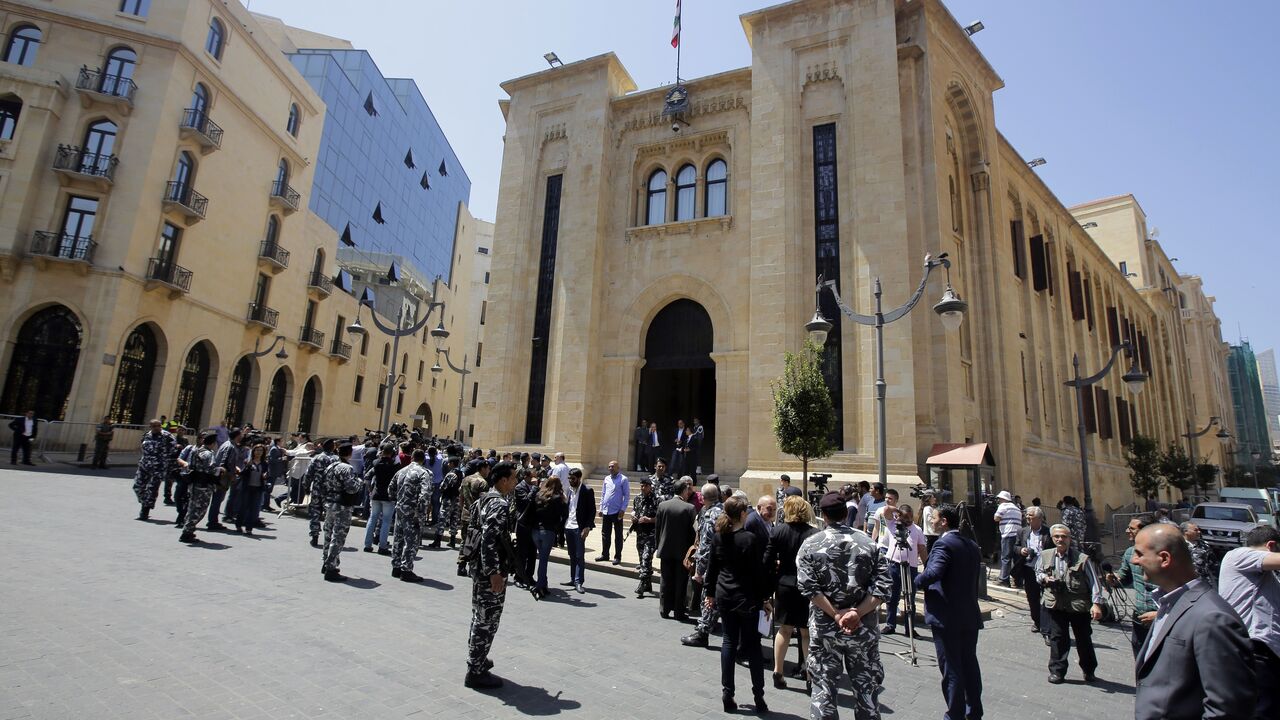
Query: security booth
pixel 964 473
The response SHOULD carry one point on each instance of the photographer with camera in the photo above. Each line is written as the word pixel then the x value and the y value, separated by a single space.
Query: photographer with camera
pixel 906 551
pixel 1072 597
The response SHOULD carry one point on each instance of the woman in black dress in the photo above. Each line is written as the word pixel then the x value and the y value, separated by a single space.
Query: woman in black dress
pixel 780 559
pixel 742 585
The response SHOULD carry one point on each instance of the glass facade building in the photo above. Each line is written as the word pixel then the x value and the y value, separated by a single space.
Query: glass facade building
pixel 385 168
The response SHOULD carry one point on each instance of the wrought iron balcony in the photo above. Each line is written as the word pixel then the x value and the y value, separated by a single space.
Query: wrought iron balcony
pixel 62 246
pixel 179 197
pixel 273 255
pixel 263 315
pixel 169 274
pixel 340 350
pixel 311 336
pixel 74 165
pixel 99 86
pixel 320 282
pixel 197 125
pixel 284 197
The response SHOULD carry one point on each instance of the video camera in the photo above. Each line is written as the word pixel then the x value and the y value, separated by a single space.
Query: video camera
pixel 922 491
pixel 820 481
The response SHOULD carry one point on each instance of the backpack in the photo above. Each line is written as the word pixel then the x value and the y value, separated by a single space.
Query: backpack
pixel 469 551
pixel 451 485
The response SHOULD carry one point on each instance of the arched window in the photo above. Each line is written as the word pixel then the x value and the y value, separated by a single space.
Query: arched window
pixel 43 365
pixel 273 231
pixel 238 390
pixel 717 202
pixel 686 189
pixel 295 119
pixel 200 104
pixel 192 388
pixel 386 353
pixel 318 266
pixel 217 39
pixel 117 76
pixel 10 111
pixel 277 399
pixel 310 400
pixel 282 177
pixel 656 206
pixel 364 344
pixel 24 41
pixel 137 366
pixel 99 144
pixel 184 174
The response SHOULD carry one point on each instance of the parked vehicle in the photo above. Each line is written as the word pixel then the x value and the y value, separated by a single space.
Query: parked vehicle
pixel 1224 525
pixel 1260 499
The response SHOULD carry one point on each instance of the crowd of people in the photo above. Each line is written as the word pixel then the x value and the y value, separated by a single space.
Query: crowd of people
pixel 752 568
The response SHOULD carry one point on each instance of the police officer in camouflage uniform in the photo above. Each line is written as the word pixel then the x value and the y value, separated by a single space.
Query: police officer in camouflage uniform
pixel 644 518
pixel 159 450
pixel 411 487
pixel 341 490
pixel 102 435
pixel 712 509
pixel 474 484
pixel 314 479
pixel 200 481
pixel 664 486
pixel 450 488
pixel 840 570
pixel 493 560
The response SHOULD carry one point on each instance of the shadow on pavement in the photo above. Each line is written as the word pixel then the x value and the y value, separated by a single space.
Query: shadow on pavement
pixel 566 599
pixel 529 700
pixel 206 545
pixel 435 584
pixel 603 593
pixel 362 583
pixel 1106 686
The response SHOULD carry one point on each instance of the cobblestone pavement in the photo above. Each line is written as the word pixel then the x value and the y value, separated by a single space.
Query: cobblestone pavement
pixel 102 616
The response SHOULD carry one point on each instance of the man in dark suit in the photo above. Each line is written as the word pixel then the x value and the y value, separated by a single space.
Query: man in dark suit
pixel 1033 538
pixel 640 437
pixel 653 449
pixel 693 457
pixel 1197 661
pixel 675 537
pixel 950 582
pixel 24 429
pixel 580 523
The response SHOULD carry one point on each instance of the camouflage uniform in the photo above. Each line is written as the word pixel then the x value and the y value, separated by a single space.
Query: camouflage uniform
pixel 706 530
pixel 664 486
pixel 411 487
pixel 1205 562
pixel 200 489
pixel 486 606
pixel 314 479
pixel 102 443
pixel 447 517
pixel 844 565
pixel 643 505
pixel 472 488
pixel 1073 518
pixel 158 453
pixel 338 479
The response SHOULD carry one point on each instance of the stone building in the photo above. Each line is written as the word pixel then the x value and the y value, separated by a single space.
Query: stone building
pixel 156 169
pixel 659 268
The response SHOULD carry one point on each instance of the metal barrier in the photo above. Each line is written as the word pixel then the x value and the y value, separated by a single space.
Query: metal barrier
pixel 61 441
pixel 1118 522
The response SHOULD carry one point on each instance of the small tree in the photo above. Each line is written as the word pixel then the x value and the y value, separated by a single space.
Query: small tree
pixel 1177 468
pixel 1206 473
pixel 1143 459
pixel 803 415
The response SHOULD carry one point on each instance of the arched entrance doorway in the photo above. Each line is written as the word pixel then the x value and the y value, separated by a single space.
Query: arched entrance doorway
pixel 131 398
pixel 240 399
pixel 193 387
pixel 310 403
pixel 422 419
pixel 278 397
pixel 43 364
pixel 678 380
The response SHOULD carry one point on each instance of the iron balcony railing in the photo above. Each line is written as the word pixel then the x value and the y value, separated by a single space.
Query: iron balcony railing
pixel 169 273
pixel 182 194
pixel 198 120
pixel 62 245
pixel 103 83
pixel 321 282
pixel 273 252
pixel 285 194
pixel 341 349
pixel 263 314
pixel 73 158
pixel 311 336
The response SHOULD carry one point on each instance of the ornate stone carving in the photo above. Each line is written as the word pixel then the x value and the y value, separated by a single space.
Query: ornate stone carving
pixel 691 142
pixel 981 180
pixel 697 107
pixel 821 72
pixel 554 131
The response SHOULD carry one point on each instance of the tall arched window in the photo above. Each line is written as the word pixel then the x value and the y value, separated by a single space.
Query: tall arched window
pixel 717 202
pixel 184 174
pixel 295 119
pixel 192 388
pixel 656 205
pixel 282 177
pixel 273 232
pixel 238 391
pixel 137 366
pixel 43 365
pixel 24 41
pixel 99 144
pixel 277 398
pixel 364 344
pixel 117 76
pixel 10 111
pixel 217 38
pixel 200 104
pixel 310 400
pixel 686 191
pixel 386 353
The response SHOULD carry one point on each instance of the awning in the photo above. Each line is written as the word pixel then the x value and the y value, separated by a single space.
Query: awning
pixel 961 455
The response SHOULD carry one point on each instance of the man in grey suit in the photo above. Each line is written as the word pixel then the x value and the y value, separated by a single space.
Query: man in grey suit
pixel 1196 662
pixel 675 537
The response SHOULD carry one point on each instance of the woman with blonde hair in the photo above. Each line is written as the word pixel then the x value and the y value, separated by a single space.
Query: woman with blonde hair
pixel 780 560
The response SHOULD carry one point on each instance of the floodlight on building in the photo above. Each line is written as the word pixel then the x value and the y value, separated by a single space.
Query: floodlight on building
pixel 552 59
pixel 1089 225
pixel 974 27
pixel 1037 162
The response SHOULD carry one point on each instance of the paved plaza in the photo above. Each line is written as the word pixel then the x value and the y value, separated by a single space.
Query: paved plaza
pixel 103 616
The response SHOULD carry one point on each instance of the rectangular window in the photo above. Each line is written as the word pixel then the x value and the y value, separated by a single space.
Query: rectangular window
pixel 1090 415
pixel 1077 295
pixel 479 350
pixel 486 278
pixel 826 223
pixel 1104 413
pixel 1026 397
pixel 542 312
pixel 359 389
pixel 1019 248
pixel 475 393
pixel 1124 268
pixel 471 430
pixel 1122 421
pixel 10 110
pixel 484 309
pixel 399 402
pixel 1088 302
pixel 135 7
pixel 1113 326
pixel 263 288
pixel 1039 268
pixel 421 367
pixel 382 394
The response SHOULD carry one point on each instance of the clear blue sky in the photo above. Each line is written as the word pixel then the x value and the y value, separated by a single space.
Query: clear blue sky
pixel 1173 101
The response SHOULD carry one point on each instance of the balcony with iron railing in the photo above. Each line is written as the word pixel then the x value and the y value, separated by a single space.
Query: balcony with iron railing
pixel 340 350
pixel 161 272
pixel 284 197
pixel 273 256
pixel 75 166
pixel 182 199
pixel 61 246
pixel 311 336
pixel 96 86
pixel 197 126
pixel 263 315
pixel 321 283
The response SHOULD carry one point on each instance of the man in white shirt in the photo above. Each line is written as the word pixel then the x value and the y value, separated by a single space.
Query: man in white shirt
pixel 560 470
pixel 912 553
pixel 1009 516
pixel 24 431
pixel 881 514
pixel 870 502
pixel 300 460
pixel 1248 582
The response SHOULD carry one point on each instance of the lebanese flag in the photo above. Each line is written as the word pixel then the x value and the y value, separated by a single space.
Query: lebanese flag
pixel 675 29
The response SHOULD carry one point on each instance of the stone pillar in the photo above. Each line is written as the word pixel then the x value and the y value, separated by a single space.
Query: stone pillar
pixel 733 412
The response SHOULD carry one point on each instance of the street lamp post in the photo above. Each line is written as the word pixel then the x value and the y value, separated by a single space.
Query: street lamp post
pixel 397 332
pixel 462 385
pixel 279 340
pixel 1133 380
pixel 950 308
pixel 1223 436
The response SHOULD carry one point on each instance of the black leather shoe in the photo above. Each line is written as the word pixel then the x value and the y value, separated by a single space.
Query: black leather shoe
pixel 602 558
pixel 396 572
pixel 482 681
pixel 1090 678
pixel 694 639
pixel 761 706
pixel 729 705
pixel 187 537
pixel 1055 679
pixel 315 541
pixel 335 576
pixel 409 576
pixel 368 549
pixel 384 551
pixel 664 614
pixel 778 682
pixel 144 513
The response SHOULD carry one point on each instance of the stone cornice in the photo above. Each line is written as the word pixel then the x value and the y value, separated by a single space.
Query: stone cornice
pixel 710 106
pixel 694 142
pixel 683 227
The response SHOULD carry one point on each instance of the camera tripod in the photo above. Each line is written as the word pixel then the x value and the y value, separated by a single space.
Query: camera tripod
pixel 906 600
